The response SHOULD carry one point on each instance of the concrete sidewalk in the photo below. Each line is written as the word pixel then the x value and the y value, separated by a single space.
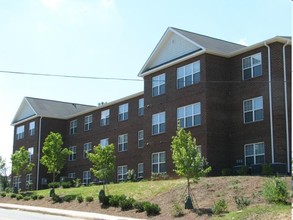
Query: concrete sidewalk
pixel 62 212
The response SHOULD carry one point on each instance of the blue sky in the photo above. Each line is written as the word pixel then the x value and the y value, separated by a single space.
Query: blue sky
pixel 109 38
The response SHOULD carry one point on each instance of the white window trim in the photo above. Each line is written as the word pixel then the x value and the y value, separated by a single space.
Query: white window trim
pixel 105 116
pixel 159 162
pixel 123 175
pixel 123 140
pixel 161 120
pixel 193 72
pixel 123 112
pixel 72 156
pixel 88 122
pixel 253 109
pixel 254 154
pixel 157 82
pixel 87 148
pixel 104 142
pixel 73 127
pixel 140 138
pixel 192 115
pixel 252 65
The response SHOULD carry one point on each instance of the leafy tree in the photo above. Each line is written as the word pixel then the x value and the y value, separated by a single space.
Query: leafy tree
pixel 54 154
pixel 3 175
pixel 21 162
pixel 103 160
pixel 186 157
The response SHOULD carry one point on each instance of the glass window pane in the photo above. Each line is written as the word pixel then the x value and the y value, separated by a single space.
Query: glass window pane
pixel 162 168
pixel 162 157
pixel 249 161
pixel 196 108
pixel 155 158
pixel 259 148
pixel 247 73
pixel 257 71
pixel 256 59
pixel 188 110
pixel 180 72
pixel 196 78
pixel 258 103
pixel 196 67
pixel 188 122
pixel 249 150
pixel 246 62
pixel 188 80
pixel 180 83
pixel 162 89
pixel 258 115
pixel 188 69
pixel 248 105
pixel 180 113
pixel 260 159
pixel 248 117
pixel 197 120
pixel 155 168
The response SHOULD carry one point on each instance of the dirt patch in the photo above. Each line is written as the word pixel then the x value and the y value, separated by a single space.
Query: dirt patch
pixel 205 193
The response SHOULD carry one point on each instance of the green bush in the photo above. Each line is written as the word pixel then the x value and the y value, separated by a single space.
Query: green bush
pixel 89 198
pixel 19 197
pixel 69 198
pixel 34 197
pixel 79 199
pixel 8 189
pixel 12 195
pixel 139 206
pixel 159 176
pixel 26 198
pixel 151 209
pixel 243 171
pixel 219 207
pixel 77 182
pixel 115 199
pixel 266 170
pixel 177 210
pixel 40 197
pixel 126 204
pixel 66 185
pixel 241 202
pixel 102 195
pixel 3 194
pixel 54 185
pixel 131 176
pixel 57 199
pixel 275 191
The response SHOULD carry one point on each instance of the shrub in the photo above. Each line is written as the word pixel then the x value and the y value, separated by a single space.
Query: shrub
pixel 103 198
pixel 8 189
pixel 219 207
pixel 34 197
pixel 89 198
pixel 66 185
pixel 54 185
pixel 275 191
pixel 243 171
pixel 139 206
pixel 226 172
pixel 3 194
pixel 241 202
pixel 177 210
pixel 57 199
pixel 266 170
pixel 126 204
pixel 40 197
pixel 79 199
pixel 115 199
pixel 26 198
pixel 151 209
pixel 159 176
pixel 19 197
pixel 77 182
pixel 12 195
pixel 69 198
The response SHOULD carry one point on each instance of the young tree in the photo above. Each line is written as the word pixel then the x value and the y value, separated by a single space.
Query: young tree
pixel 187 159
pixel 54 154
pixel 103 160
pixel 3 175
pixel 20 162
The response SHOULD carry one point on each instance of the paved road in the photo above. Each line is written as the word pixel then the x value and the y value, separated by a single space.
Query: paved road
pixel 10 214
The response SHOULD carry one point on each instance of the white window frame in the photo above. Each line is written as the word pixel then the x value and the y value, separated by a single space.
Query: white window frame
pixel 159 163
pixel 159 123
pixel 105 117
pixel 87 148
pixel 88 122
pixel 17 182
pixel 140 170
pixel 185 113
pixel 122 173
pixel 72 156
pixel 255 153
pixel 30 153
pixel 86 177
pixel 253 109
pixel 122 142
pixel 123 112
pixel 141 107
pixel 71 175
pixel 32 128
pixel 104 142
pixel 28 181
pixel 248 63
pixel 188 75
pixel 140 139
pixel 73 127
pixel 20 132
pixel 159 85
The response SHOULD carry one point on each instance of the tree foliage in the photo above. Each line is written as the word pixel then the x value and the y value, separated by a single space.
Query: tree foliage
pixel 54 154
pixel 186 156
pixel 2 166
pixel 103 160
pixel 21 162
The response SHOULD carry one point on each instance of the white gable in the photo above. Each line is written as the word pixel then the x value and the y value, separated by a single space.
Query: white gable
pixel 24 111
pixel 173 47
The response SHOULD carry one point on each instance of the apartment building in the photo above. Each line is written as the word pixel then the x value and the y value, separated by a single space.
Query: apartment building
pixel 234 99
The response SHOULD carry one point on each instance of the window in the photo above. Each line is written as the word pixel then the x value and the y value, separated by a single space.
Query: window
pixel 254 153
pixel 105 116
pixel 188 75
pixel 122 142
pixel 28 181
pixel 71 175
pixel 17 182
pixel 140 142
pixel 123 112
pixel 32 128
pixel 158 85
pixel 104 142
pixel 88 122
pixel 189 115
pixel 140 170
pixel 253 110
pixel 72 156
pixel 86 177
pixel 73 127
pixel 122 173
pixel 31 153
pixel 251 66
pixel 20 132
pixel 141 107
pixel 159 162
pixel 158 123
pixel 87 148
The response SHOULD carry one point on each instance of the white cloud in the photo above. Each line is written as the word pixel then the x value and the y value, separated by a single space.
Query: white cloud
pixel 52 4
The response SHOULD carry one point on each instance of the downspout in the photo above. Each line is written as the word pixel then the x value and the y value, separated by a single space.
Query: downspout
pixel 270 102
pixel 286 108
pixel 39 153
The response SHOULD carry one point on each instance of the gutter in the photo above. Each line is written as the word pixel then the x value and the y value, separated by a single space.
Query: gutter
pixel 270 102
pixel 39 153
pixel 286 108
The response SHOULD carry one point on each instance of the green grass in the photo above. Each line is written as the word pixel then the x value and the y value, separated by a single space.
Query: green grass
pixel 257 212
pixel 139 191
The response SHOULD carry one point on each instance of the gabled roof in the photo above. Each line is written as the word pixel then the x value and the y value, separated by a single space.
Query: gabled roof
pixel 177 44
pixel 35 107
